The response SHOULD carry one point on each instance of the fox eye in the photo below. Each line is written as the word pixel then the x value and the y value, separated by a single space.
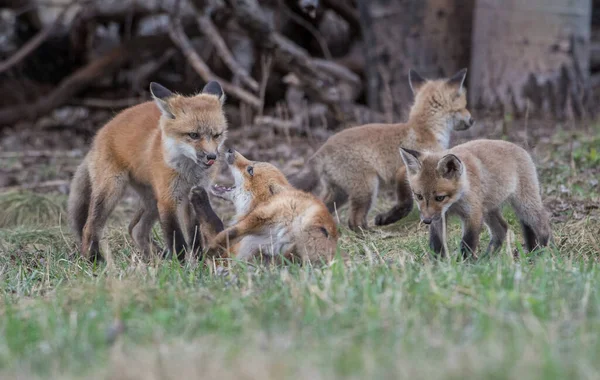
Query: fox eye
pixel 193 135
pixel 216 136
pixel 419 197
pixel 250 170
pixel 440 198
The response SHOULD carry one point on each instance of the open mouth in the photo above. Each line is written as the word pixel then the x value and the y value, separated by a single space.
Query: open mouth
pixel 220 190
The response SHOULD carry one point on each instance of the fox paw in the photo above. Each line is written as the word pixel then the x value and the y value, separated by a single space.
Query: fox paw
pixel 198 195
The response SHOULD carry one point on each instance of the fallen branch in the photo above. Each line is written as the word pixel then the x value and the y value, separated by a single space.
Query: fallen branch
pixel 83 77
pixel 212 33
pixel 107 103
pixel 34 42
pixel 181 40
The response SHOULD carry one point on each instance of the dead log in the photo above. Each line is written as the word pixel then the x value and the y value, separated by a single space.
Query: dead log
pixel 81 78
pixel 180 39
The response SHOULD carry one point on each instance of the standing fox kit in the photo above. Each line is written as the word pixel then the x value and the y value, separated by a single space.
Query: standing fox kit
pixel 272 217
pixel 160 148
pixel 473 180
pixel 353 162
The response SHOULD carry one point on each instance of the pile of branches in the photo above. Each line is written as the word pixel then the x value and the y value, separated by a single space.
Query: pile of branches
pixel 283 63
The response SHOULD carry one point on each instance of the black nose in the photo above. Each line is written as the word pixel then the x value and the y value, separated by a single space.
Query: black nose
pixel 471 121
pixel 211 156
pixel 426 220
pixel 230 151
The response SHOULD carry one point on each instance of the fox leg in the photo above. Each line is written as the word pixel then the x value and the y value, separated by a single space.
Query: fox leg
pixel 141 226
pixel 404 201
pixel 174 239
pixel 498 228
pixel 471 231
pixel 436 232
pixel 360 204
pixel 103 201
pixel 332 196
pixel 534 221
pixel 207 224
pixel 252 223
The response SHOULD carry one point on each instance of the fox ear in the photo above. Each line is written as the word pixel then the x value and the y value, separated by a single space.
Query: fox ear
pixel 214 88
pixel 450 167
pixel 411 160
pixel 276 188
pixel 415 80
pixel 458 80
pixel 160 94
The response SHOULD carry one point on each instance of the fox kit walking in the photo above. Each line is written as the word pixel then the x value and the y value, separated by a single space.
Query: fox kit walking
pixel 351 164
pixel 272 217
pixel 161 149
pixel 473 180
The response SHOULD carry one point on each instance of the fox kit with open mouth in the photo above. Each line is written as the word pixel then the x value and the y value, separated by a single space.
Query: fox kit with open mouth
pixel 352 163
pixel 473 180
pixel 272 218
pixel 160 148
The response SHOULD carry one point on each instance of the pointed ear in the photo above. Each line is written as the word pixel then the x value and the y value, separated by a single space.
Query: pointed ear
pixel 161 94
pixel 276 188
pixel 458 80
pixel 415 81
pixel 450 167
pixel 214 88
pixel 411 160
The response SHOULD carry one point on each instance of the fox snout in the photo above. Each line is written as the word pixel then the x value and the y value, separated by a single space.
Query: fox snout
pixel 230 156
pixel 464 121
pixel 208 158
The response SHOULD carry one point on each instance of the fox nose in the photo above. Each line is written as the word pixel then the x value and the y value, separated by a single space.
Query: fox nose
pixel 471 121
pixel 426 220
pixel 230 151
pixel 211 156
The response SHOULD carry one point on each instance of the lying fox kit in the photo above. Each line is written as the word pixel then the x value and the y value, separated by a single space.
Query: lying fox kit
pixel 473 180
pixel 353 162
pixel 161 149
pixel 272 218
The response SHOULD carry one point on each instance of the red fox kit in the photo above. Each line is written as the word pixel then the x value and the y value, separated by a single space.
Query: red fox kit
pixel 160 148
pixel 473 180
pixel 272 217
pixel 352 163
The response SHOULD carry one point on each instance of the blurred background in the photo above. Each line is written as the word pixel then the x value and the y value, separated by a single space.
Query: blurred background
pixel 295 71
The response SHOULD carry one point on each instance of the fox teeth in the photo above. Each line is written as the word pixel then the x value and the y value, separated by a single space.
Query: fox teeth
pixel 223 188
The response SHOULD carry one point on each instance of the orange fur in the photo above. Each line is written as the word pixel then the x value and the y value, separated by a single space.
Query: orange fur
pixel 473 180
pixel 161 149
pixel 353 162
pixel 272 217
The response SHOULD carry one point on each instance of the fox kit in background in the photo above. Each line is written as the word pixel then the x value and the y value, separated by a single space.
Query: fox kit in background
pixel 353 162
pixel 473 180
pixel 272 217
pixel 162 149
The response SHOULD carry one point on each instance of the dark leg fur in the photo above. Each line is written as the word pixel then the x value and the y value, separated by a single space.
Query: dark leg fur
pixel 435 238
pixel 79 200
pixel 470 241
pixel 173 235
pixel 403 207
pixel 529 235
pixel 498 228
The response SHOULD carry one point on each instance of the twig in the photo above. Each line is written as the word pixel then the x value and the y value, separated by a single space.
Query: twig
pixel 212 33
pixel 42 153
pixel 266 63
pixel 107 103
pixel 444 236
pixel 181 40
pixel 34 42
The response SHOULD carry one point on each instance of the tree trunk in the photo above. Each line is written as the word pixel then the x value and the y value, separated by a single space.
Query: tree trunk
pixel 431 36
pixel 531 54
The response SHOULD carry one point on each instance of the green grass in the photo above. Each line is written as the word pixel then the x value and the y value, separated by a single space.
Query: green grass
pixel 393 311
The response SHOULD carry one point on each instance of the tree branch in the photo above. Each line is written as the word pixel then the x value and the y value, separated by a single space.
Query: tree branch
pixel 181 40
